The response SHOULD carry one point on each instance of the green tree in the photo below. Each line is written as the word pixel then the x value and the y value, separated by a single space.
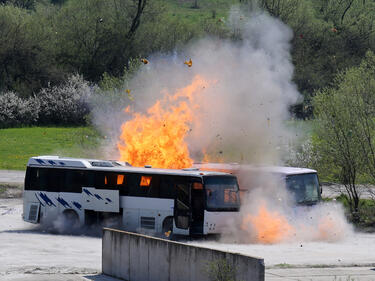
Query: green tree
pixel 26 64
pixel 346 127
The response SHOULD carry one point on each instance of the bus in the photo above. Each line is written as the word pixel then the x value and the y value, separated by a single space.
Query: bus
pixel 302 183
pixel 139 199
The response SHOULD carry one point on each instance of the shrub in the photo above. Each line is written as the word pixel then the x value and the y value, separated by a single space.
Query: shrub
pixel 15 111
pixel 65 104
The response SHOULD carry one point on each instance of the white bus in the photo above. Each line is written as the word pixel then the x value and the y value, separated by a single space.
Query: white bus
pixel 85 192
pixel 303 183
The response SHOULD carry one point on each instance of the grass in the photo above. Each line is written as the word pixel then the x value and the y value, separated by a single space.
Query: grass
pixel 17 145
pixel 366 213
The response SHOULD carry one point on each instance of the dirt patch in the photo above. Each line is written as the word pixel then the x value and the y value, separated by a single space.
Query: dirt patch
pixel 11 190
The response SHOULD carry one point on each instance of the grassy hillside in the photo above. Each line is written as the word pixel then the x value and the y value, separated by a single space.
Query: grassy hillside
pixel 17 145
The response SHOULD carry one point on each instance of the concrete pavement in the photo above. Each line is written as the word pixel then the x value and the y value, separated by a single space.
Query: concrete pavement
pixel 321 274
pixel 12 176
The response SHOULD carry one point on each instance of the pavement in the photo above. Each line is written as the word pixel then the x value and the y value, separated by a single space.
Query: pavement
pixel 28 252
pixel 12 176
pixel 322 274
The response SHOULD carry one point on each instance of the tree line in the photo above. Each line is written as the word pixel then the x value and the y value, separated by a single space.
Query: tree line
pixel 44 42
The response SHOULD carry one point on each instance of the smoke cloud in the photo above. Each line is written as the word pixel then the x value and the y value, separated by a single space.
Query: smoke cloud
pixel 242 114
pixel 241 117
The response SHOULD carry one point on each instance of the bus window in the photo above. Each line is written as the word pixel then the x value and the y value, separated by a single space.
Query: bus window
pixel 46 180
pixel 221 193
pixel 182 205
pixel 305 187
pixel 120 179
pixel 166 187
pixel 74 180
pixel 145 181
pixel 109 180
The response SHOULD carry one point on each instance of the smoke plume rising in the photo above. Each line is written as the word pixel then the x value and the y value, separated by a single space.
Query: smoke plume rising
pixel 238 115
pixel 241 115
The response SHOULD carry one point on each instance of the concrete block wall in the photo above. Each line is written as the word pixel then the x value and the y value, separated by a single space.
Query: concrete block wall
pixel 137 257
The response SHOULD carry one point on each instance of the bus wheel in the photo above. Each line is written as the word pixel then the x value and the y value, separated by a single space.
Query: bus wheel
pixel 167 227
pixel 71 220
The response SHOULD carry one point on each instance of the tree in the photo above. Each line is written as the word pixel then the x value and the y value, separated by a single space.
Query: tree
pixel 346 127
pixel 96 36
pixel 25 63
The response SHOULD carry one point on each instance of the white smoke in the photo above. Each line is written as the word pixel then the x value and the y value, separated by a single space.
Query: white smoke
pixel 243 113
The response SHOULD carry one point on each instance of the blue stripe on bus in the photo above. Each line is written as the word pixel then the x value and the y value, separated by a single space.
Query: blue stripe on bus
pixel 87 192
pixel 77 205
pixel 109 200
pixel 63 202
pixel 98 197
pixel 38 199
pixel 46 199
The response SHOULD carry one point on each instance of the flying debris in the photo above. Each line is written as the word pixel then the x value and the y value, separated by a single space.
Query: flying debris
pixel 145 61
pixel 189 63
pixel 129 95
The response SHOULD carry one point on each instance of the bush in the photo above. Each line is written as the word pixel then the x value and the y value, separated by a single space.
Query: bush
pixel 65 104
pixel 15 111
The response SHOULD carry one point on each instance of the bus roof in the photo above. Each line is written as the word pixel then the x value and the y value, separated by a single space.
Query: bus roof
pixel 113 165
pixel 234 168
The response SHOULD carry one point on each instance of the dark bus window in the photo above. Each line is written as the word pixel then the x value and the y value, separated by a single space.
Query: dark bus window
pixel 143 185
pixel 43 179
pixel 167 187
pixel 75 180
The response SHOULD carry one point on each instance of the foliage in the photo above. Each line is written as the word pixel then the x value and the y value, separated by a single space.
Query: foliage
pixel 346 126
pixel 43 42
pixel 26 64
pixel 365 218
pixel 15 111
pixel 221 270
pixel 17 145
pixel 65 104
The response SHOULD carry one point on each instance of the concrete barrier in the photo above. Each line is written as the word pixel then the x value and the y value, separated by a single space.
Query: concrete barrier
pixel 137 257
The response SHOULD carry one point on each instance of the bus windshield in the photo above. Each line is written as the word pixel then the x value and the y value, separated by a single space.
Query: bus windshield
pixel 222 193
pixel 305 187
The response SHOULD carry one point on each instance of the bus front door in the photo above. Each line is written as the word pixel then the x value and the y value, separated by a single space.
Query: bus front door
pixel 182 210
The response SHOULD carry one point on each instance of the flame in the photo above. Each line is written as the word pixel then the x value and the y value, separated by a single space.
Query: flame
pixel 157 138
pixel 269 227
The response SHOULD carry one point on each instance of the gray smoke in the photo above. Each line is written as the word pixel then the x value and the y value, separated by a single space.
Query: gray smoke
pixel 244 110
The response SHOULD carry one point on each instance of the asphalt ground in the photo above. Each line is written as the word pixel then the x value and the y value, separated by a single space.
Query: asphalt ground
pixel 28 252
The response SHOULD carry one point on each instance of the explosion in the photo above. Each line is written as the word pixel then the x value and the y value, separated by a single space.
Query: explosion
pixel 268 227
pixel 157 138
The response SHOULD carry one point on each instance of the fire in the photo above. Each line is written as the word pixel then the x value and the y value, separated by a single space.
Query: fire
pixel 157 138
pixel 268 227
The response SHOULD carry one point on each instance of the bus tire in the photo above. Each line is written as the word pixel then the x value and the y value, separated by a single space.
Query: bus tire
pixel 71 219
pixel 167 229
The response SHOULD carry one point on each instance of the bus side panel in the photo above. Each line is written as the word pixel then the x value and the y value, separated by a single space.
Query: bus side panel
pixel 145 214
pixel 31 214
pixel 72 201
pixel 219 222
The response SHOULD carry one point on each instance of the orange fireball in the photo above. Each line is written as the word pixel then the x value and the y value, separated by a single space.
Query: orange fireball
pixel 157 137
pixel 269 226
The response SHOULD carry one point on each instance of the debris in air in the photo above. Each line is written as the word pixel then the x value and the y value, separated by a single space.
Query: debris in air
pixel 189 63
pixel 145 61
pixel 129 95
